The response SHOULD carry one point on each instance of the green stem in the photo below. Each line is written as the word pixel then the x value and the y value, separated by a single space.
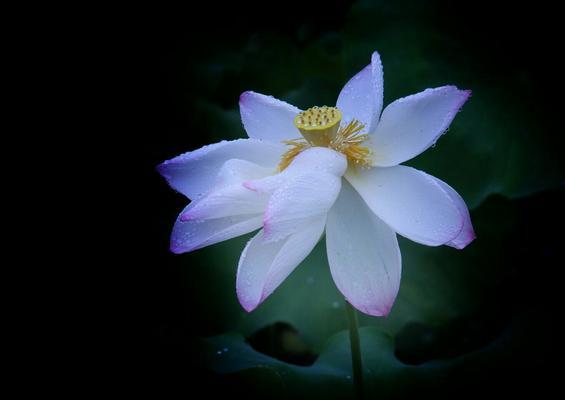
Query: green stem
pixel 355 350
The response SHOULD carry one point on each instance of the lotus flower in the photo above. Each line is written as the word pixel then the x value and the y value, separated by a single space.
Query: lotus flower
pixel 326 169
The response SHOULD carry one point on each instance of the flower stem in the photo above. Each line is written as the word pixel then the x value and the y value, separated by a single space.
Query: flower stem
pixel 355 350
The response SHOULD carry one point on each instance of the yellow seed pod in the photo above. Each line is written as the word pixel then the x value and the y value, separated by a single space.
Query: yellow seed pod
pixel 318 125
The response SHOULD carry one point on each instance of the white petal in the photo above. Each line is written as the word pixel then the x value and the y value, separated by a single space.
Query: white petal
pixel 362 97
pixel 306 189
pixel 267 118
pixel 194 173
pixel 264 266
pixel 313 160
pixel 411 202
pixel 238 171
pixel 228 197
pixel 363 254
pixel 227 211
pixel 467 234
pixel 195 234
pixel 318 159
pixel 410 125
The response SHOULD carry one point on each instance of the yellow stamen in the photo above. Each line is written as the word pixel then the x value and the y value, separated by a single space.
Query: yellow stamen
pixel 348 141
pixel 297 147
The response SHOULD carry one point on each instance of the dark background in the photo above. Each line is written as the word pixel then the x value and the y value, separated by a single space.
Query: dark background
pixel 180 75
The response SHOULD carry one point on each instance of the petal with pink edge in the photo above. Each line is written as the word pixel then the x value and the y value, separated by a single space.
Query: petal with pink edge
pixel 363 254
pixel 467 234
pixel 412 124
pixel 411 202
pixel 264 266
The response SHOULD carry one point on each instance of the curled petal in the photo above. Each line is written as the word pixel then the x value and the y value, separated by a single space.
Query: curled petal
pixel 267 118
pixel 412 124
pixel 363 254
pixel 467 234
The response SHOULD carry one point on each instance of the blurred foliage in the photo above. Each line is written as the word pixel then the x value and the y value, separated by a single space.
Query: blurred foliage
pixel 468 308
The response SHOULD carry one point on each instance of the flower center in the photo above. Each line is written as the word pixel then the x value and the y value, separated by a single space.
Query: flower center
pixel 320 127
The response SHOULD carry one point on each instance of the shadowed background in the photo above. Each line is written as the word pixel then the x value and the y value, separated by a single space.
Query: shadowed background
pixel 464 321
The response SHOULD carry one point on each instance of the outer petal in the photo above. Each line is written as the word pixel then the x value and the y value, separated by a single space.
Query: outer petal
pixel 362 96
pixel 411 202
pixel 410 125
pixel 363 254
pixel 263 266
pixel 194 173
pixel 227 211
pixel 267 118
pixel 467 234
pixel 195 234
pixel 229 197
